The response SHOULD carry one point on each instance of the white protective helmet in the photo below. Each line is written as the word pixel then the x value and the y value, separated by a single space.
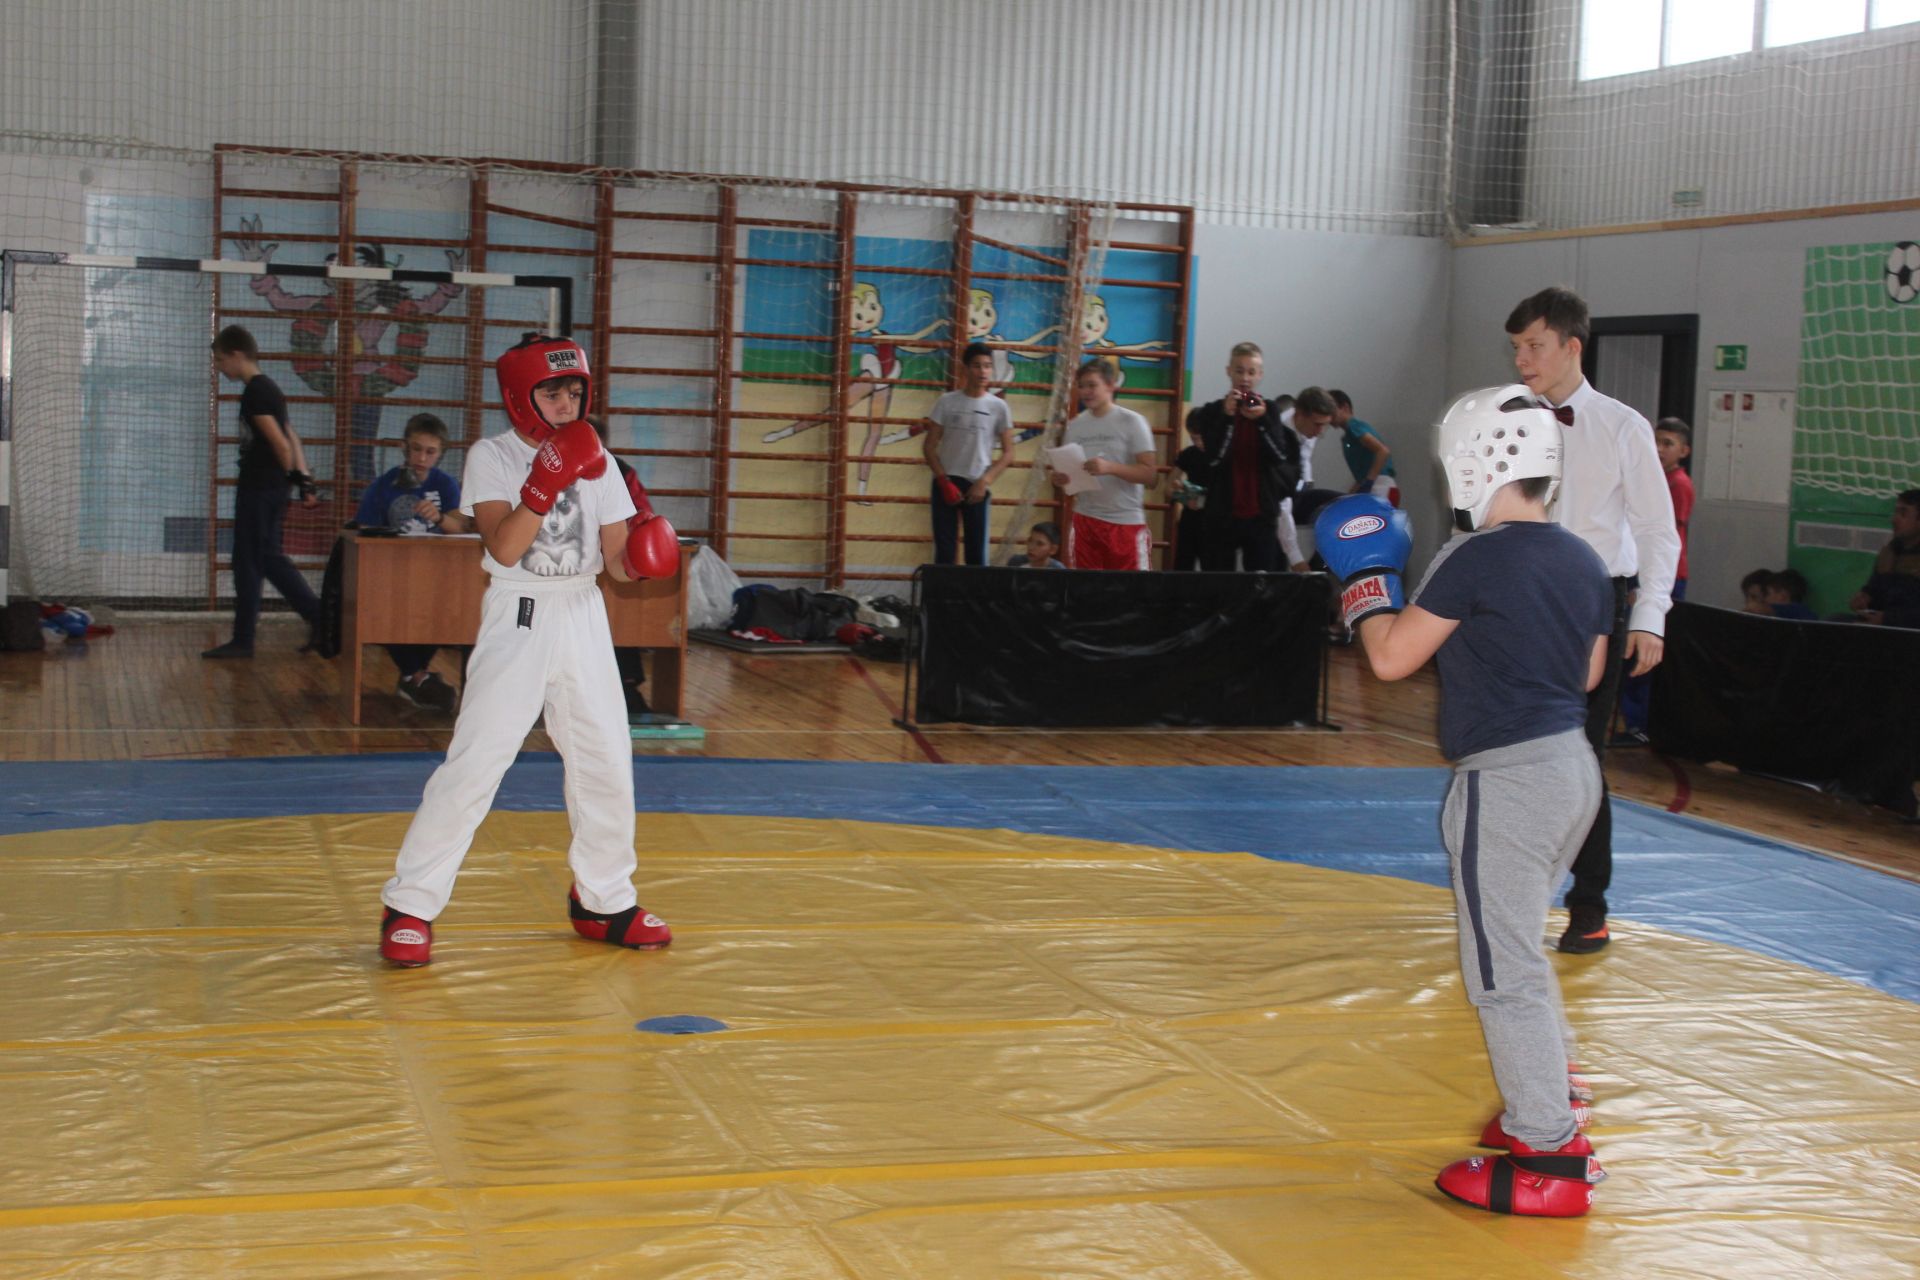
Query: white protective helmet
pixel 1489 437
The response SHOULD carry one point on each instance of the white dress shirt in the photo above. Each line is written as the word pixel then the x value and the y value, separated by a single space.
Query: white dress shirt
pixel 1290 535
pixel 1614 495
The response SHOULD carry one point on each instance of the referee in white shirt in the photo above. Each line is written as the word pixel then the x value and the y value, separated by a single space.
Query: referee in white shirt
pixel 1614 495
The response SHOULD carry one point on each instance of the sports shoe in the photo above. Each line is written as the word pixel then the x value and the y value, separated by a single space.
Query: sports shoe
pixel 228 650
pixel 1586 932
pixel 1526 1182
pixel 430 691
pixel 405 941
pixel 635 927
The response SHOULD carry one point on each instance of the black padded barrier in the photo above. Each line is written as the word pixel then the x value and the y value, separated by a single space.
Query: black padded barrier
pixel 1833 704
pixel 1087 649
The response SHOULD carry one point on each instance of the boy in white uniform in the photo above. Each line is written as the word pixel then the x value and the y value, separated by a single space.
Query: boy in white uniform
pixel 549 511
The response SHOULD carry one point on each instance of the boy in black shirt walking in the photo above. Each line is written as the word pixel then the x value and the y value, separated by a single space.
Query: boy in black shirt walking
pixel 271 460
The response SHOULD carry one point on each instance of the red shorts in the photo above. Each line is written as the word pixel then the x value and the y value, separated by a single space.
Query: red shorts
pixel 1102 544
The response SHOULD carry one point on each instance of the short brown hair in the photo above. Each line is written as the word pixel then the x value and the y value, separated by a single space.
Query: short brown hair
pixel 1675 427
pixel 426 424
pixel 234 340
pixel 1246 349
pixel 1564 311
pixel 1314 402
pixel 1101 366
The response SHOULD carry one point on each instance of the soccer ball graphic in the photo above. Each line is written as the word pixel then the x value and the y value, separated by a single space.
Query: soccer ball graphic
pixel 1903 272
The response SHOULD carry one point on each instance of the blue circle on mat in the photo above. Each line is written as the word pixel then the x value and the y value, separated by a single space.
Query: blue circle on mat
pixel 680 1024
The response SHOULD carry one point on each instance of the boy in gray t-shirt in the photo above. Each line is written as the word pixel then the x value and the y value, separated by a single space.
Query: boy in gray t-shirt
pixel 1517 613
pixel 962 428
pixel 1109 529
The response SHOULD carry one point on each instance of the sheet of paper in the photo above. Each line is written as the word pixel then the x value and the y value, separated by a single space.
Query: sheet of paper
pixel 1071 461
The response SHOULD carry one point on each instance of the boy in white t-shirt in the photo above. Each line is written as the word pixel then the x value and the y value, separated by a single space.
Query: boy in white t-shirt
pixel 549 512
pixel 962 428
pixel 1109 529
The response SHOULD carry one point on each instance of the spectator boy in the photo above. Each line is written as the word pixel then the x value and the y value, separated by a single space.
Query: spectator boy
pixel 1310 415
pixel 1368 456
pixel 1673 440
pixel 1787 596
pixel 1250 463
pixel 962 429
pixel 1109 529
pixel 1043 549
pixel 1892 594
pixel 417 497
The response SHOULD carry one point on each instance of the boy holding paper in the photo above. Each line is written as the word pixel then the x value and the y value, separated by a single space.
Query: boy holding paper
pixel 1109 529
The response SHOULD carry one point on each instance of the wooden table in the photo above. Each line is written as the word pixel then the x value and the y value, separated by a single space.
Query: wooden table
pixel 427 590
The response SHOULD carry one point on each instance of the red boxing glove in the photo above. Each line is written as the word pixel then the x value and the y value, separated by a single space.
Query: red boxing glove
pixel 653 549
pixel 571 453
pixel 950 492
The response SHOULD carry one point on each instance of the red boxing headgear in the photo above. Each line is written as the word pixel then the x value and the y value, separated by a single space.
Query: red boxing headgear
pixel 540 359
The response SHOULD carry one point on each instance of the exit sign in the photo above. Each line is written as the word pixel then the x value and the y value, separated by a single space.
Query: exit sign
pixel 1730 358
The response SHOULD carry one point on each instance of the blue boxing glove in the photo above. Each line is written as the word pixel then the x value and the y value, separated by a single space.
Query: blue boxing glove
pixel 1365 542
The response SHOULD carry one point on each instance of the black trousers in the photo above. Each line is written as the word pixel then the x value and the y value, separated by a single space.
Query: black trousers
pixel 1593 865
pixel 258 515
pixel 1254 537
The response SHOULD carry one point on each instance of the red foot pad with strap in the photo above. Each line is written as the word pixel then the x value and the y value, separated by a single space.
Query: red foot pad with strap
pixel 406 941
pixel 1525 1182
pixel 635 927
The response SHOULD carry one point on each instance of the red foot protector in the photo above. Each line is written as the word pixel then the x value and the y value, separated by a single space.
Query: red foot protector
pixel 634 927
pixel 405 940
pixel 1525 1182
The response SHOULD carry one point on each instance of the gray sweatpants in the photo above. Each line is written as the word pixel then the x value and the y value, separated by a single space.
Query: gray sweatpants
pixel 1513 821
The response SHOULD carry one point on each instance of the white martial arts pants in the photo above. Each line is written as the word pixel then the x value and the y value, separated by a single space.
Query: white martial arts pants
pixel 542 646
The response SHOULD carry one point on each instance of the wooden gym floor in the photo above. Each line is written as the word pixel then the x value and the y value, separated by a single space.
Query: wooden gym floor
pixel 145 694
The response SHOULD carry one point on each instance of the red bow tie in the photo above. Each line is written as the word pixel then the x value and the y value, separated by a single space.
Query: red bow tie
pixel 1564 412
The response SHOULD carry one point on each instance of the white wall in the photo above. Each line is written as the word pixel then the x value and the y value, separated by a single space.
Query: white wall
pixel 1744 282
pixel 1314 113
pixel 424 77
pixel 1367 314
pixel 1805 126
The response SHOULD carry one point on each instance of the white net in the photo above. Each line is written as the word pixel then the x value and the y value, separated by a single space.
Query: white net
pixel 1858 425
pixel 1589 113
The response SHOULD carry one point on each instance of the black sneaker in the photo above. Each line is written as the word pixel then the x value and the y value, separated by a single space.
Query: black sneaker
pixel 636 702
pixel 228 650
pixel 430 692
pixel 1628 738
pixel 1586 933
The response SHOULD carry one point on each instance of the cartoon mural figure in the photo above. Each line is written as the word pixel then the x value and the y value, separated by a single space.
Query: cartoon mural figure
pixel 982 319
pixel 873 381
pixel 380 305
pixel 1094 323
